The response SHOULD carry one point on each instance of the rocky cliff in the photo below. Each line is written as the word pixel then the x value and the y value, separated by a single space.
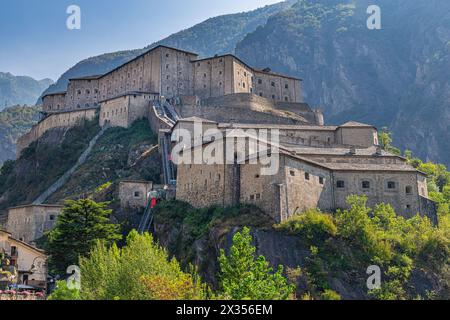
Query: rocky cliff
pixel 397 76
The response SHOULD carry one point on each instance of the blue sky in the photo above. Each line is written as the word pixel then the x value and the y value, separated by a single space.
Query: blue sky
pixel 35 40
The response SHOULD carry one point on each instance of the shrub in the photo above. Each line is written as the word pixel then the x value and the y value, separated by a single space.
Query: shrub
pixel 311 225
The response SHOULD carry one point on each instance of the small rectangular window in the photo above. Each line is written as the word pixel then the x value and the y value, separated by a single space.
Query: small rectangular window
pixel 340 184
pixel 391 185
pixel 366 185
pixel 306 176
pixel 320 180
pixel 258 196
pixel 292 173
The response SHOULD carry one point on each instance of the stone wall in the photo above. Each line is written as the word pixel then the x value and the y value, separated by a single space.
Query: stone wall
pixel 134 194
pixel 405 202
pixel 82 93
pixel 246 108
pixel 277 87
pixel 124 110
pixel 205 185
pixel 29 223
pixel 66 119
pixel 54 102
pixel 357 136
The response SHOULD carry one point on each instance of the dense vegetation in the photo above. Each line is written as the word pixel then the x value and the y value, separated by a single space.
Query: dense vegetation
pixel 14 122
pixel 350 241
pixel 80 225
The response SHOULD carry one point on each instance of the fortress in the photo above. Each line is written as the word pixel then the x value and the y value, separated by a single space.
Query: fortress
pixel 320 165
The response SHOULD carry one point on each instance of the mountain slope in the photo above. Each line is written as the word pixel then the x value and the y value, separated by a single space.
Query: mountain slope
pixel 213 36
pixel 16 90
pixel 396 77
pixel 14 122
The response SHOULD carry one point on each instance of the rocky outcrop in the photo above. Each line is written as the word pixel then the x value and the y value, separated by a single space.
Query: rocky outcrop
pixel 396 77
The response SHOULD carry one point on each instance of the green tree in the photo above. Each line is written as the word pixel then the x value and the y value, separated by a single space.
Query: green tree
pixel 81 224
pixel 244 277
pixel 385 139
pixel 141 270
pixel 63 292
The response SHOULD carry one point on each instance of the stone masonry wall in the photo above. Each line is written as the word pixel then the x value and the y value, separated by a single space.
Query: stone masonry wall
pixel 58 120
pixel 29 223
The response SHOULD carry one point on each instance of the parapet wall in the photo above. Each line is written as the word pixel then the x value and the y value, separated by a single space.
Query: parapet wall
pixel 248 108
pixel 58 120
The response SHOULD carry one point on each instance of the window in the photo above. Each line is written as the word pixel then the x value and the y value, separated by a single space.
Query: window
pixel 260 94
pixel 321 180
pixel 243 84
pixel 252 197
pixel 408 206
pixel 273 97
pixel 272 84
pixel 391 185
pixel 137 194
pixel 204 75
pixel 257 176
pixel 340 184
pixel 366 184
pixel 292 173
pixel 167 55
pixel 408 190
pixel 286 99
pixel 306 176
pixel 167 66
pixel 79 92
pixel 88 91
pixel 259 81
pixel 245 74
pixel 220 72
pixel 258 196
pixel 52 217
pixel 286 86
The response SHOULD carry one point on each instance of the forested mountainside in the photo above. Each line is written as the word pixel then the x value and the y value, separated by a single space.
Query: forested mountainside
pixel 396 77
pixel 15 90
pixel 14 122
pixel 213 36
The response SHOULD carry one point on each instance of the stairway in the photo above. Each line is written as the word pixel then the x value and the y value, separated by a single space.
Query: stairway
pixel 168 168
pixel 65 177
pixel 146 220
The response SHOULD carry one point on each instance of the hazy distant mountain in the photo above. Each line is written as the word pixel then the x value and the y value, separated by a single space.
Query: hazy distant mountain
pixel 20 89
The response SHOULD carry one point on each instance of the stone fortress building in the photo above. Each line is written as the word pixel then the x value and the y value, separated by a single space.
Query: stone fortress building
pixel 320 165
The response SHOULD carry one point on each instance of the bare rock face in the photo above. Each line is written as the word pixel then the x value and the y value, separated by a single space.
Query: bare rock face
pixel 397 77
